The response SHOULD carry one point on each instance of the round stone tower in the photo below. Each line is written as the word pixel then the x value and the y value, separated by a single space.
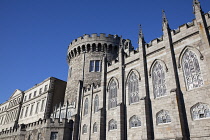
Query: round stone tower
pixel 84 59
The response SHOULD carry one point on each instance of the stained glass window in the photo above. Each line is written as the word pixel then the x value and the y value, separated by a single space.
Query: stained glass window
pixel 113 94
pixel 96 103
pixel 163 117
pixel 112 124
pixel 200 110
pixel 86 106
pixel 191 68
pixel 158 77
pixel 133 88
pixel 134 121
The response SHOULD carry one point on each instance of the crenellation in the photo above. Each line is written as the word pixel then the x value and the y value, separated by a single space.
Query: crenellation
pixel 157 91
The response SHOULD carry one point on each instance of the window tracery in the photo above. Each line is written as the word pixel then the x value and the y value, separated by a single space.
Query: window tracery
pixel 134 121
pixel 200 111
pixel 158 77
pixel 112 124
pixel 112 94
pixel 133 88
pixel 163 117
pixel 191 68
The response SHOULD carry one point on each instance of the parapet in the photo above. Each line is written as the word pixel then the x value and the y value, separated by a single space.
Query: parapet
pixel 93 42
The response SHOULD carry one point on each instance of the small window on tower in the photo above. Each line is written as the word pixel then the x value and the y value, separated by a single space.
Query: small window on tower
pixel 95 66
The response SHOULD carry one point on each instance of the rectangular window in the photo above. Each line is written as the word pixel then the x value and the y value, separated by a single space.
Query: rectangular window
pixel 34 93
pixel 37 107
pixel 32 106
pixel 54 136
pixel 40 90
pixel 45 88
pixel 91 66
pixel 29 97
pixel 21 114
pixel 25 98
pixel 95 66
pixel 42 105
pixel 26 113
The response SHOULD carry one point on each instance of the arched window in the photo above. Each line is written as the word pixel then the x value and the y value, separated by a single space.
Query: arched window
pixel 96 103
pixel 133 88
pixel 112 124
pixel 86 106
pixel 112 94
pixel 200 110
pixel 158 77
pixel 84 129
pixel 191 68
pixel 94 127
pixel 134 121
pixel 163 117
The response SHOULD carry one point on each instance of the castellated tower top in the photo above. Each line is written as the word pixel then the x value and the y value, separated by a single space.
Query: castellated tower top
pixel 91 43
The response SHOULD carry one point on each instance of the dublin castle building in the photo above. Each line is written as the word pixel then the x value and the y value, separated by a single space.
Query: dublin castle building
pixel 159 91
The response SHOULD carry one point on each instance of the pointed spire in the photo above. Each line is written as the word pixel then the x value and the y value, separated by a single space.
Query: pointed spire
pixel 164 21
pixel 141 35
pixel 196 6
pixel 121 42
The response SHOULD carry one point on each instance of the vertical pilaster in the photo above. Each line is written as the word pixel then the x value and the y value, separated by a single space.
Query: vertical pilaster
pixel 77 124
pixel 103 110
pixel 179 95
pixel 148 104
pixel 123 114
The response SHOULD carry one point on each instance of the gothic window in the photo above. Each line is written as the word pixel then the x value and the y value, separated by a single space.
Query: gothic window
pixel 112 124
pixel 54 136
pixel 191 68
pixel 96 103
pixel 112 94
pixel 163 117
pixel 94 127
pixel 84 129
pixel 86 106
pixel 134 121
pixel 200 111
pixel 158 77
pixel 133 88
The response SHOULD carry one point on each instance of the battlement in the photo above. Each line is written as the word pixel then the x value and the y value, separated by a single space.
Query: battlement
pixel 94 37
pixel 35 125
pixel 93 43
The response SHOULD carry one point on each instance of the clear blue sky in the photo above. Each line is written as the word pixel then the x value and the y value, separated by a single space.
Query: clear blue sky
pixel 34 34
